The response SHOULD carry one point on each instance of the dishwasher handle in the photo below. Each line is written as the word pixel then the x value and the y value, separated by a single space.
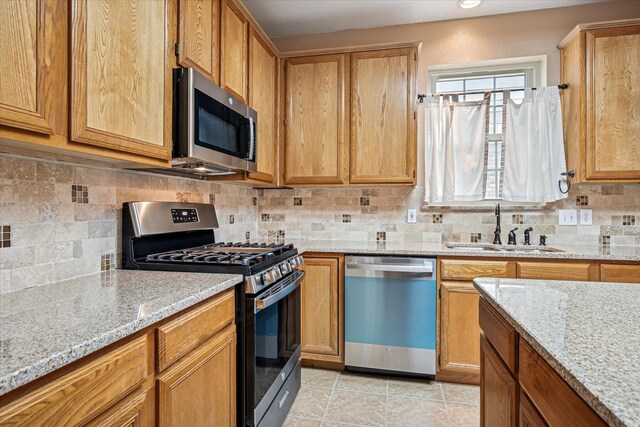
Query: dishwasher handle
pixel 393 268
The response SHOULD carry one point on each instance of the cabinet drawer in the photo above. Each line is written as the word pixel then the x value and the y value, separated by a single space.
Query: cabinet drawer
pixel 84 393
pixel 556 400
pixel 620 273
pixel 454 269
pixel 557 271
pixel 499 333
pixel 177 337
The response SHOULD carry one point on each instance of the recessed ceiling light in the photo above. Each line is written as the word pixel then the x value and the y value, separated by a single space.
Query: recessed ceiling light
pixel 468 4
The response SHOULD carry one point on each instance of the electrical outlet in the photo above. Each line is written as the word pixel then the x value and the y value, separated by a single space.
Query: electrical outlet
pixel 586 217
pixel 411 216
pixel 567 217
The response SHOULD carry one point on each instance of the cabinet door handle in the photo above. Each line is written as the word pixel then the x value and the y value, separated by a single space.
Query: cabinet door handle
pixel 284 399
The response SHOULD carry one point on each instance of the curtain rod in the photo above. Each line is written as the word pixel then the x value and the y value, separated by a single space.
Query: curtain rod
pixel 421 97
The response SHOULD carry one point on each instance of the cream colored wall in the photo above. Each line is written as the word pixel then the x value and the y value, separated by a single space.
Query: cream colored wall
pixel 476 39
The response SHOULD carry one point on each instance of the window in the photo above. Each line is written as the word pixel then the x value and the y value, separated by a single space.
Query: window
pixel 518 73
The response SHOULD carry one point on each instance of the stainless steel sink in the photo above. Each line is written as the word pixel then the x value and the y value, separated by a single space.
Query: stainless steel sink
pixel 481 247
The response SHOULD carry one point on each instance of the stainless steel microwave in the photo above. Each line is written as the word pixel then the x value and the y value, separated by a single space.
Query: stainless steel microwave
pixel 214 133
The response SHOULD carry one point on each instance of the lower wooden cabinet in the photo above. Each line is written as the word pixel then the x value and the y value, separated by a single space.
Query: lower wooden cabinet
pixel 120 387
pixel 322 311
pixel 558 271
pixel 498 389
pixel 620 273
pixel 201 389
pixel 459 356
pixel 544 398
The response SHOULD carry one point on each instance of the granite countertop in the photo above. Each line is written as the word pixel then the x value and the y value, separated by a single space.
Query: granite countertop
pixel 612 253
pixel 47 327
pixel 588 333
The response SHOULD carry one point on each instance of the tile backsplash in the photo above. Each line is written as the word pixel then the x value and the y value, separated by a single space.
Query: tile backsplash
pixel 380 214
pixel 61 221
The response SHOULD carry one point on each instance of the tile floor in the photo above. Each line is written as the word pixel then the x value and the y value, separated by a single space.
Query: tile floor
pixel 332 399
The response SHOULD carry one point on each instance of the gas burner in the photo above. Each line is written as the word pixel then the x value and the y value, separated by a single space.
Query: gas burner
pixel 242 254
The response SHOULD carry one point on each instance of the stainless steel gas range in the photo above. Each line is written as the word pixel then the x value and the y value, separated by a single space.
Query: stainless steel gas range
pixel 180 237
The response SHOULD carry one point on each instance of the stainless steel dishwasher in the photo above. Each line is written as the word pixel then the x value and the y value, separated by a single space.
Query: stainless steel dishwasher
pixel 390 315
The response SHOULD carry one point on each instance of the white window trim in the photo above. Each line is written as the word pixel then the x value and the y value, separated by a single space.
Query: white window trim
pixel 535 69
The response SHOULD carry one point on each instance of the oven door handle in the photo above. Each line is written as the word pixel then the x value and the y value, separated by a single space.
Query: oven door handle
pixel 294 282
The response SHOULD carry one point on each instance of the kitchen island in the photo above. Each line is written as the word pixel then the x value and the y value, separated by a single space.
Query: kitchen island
pixel 559 352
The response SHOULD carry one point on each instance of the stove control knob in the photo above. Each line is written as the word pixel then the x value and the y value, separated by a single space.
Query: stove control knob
pixel 300 260
pixel 293 263
pixel 276 273
pixel 286 268
pixel 268 278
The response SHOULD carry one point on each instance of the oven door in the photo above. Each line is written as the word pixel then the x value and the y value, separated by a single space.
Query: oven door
pixel 276 339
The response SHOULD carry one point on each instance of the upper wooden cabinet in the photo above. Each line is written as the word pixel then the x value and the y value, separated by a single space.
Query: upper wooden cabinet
pixel 601 64
pixel 199 36
pixel 315 140
pixel 120 81
pixel 33 36
pixel 263 97
pixel 234 50
pixel 383 131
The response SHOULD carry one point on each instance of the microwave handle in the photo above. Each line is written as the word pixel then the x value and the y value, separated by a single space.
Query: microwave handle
pixel 252 139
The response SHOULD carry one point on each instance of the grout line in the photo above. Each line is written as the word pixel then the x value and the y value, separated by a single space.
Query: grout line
pixel 386 403
pixel 324 416
pixel 446 407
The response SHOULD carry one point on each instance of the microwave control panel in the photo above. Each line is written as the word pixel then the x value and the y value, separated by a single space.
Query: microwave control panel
pixel 181 216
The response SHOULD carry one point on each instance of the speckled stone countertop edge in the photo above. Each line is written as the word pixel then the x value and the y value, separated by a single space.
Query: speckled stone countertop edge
pixel 394 248
pixel 603 411
pixel 55 361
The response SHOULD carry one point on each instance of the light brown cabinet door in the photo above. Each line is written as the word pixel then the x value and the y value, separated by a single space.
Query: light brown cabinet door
pixel 459 333
pixel 200 390
pixel 316 140
pixel 199 36
pixel 322 299
pixel 234 50
pixel 383 136
pixel 498 390
pixel 33 36
pixel 137 410
pixel 613 90
pixel 557 271
pixel 529 416
pixel 263 97
pixel 620 273
pixel 120 79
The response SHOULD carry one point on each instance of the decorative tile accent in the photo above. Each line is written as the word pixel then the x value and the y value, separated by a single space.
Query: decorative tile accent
pixel 582 200
pixel 264 217
pixel 346 218
pixel 247 236
pixel 517 219
pixel 254 200
pixel 108 262
pixel 297 201
pixel 364 201
pixel 437 218
pixel 79 194
pixel 212 199
pixel 280 234
pixel 476 237
pixel 628 220
pixel 381 235
pixel 232 219
pixel 605 240
pixel 5 237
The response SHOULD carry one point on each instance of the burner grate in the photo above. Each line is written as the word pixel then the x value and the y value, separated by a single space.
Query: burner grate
pixel 241 254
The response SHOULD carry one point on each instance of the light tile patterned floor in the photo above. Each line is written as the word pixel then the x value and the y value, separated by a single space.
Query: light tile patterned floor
pixel 332 399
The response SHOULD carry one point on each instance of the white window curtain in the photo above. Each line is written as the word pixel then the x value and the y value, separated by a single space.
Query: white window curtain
pixel 455 138
pixel 533 147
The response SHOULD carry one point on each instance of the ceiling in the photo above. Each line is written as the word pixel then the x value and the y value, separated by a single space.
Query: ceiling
pixel 281 18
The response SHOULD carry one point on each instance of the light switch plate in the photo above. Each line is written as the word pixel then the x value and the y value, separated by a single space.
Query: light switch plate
pixel 411 216
pixel 567 217
pixel 586 217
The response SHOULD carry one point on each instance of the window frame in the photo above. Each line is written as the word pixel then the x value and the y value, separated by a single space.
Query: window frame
pixel 535 70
